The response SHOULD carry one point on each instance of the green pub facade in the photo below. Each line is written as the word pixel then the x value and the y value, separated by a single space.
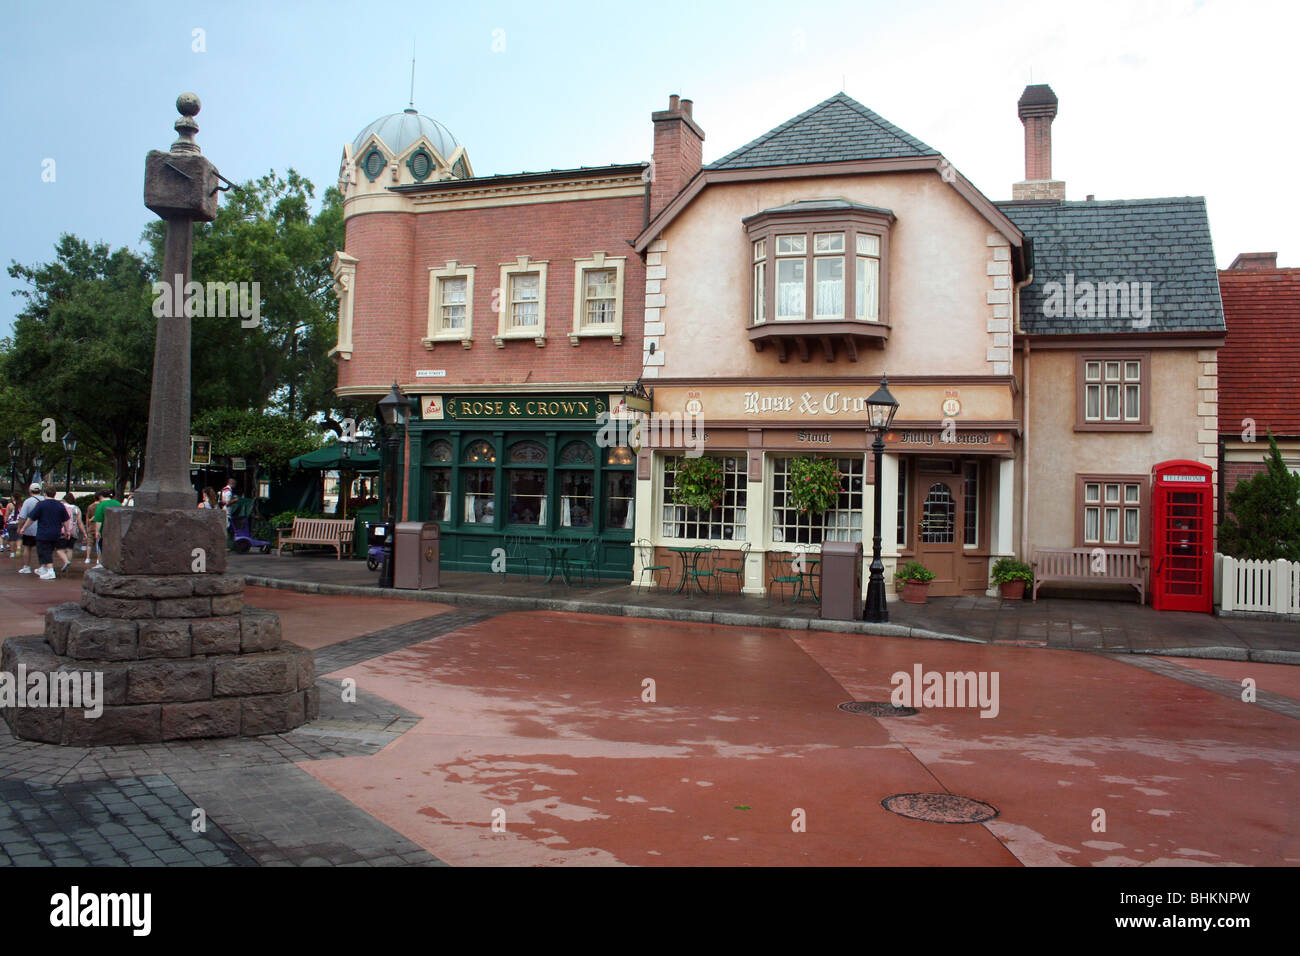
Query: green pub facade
pixel 490 468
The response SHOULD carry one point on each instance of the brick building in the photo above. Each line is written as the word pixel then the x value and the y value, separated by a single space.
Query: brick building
pixel 510 308
pixel 1259 366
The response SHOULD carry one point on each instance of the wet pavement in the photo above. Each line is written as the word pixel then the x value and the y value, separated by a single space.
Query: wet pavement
pixel 478 735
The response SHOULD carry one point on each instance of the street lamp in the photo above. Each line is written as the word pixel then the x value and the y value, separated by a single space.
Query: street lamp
pixel 881 407
pixel 70 446
pixel 392 411
pixel 37 461
pixel 15 452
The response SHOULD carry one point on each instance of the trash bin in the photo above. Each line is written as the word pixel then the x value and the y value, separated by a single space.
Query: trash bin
pixel 415 555
pixel 842 580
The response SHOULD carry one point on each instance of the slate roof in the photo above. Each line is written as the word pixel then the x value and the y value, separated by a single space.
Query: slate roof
pixel 1259 364
pixel 835 130
pixel 1165 242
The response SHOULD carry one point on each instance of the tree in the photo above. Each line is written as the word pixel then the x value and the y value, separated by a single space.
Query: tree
pixel 82 352
pixel 1263 520
pixel 267 441
pixel 265 233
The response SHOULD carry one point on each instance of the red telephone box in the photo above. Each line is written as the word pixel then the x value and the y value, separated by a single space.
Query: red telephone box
pixel 1182 537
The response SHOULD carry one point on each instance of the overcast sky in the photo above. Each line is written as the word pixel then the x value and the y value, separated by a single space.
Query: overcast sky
pixel 1156 98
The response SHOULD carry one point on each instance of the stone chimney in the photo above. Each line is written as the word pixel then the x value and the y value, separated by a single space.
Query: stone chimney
pixel 1254 262
pixel 678 152
pixel 1037 110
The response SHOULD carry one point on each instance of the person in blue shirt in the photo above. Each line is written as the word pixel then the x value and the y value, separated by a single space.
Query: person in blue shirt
pixel 48 519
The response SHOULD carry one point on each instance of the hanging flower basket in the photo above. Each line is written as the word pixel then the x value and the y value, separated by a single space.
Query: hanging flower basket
pixel 814 484
pixel 700 483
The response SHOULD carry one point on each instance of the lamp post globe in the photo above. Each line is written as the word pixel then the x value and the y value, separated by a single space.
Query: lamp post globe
pixel 70 446
pixel 881 408
pixel 392 411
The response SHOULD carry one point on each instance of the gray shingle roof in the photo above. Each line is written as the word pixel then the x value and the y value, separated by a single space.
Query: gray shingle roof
pixel 1164 242
pixel 835 130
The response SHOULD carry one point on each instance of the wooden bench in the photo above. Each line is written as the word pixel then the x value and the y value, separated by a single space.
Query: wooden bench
pixel 1089 566
pixel 333 533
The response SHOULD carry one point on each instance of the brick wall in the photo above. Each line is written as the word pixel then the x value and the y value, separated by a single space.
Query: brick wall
pixel 390 311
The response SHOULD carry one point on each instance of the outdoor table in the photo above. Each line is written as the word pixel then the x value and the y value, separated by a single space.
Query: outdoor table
pixel 690 558
pixel 559 552
pixel 811 570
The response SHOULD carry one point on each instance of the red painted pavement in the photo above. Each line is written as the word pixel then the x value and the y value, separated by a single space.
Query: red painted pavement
pixel 539 716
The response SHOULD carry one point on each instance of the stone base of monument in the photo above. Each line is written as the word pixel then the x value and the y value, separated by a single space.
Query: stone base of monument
pixel 177 655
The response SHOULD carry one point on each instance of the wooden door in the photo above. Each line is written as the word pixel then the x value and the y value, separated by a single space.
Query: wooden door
pixel 938 536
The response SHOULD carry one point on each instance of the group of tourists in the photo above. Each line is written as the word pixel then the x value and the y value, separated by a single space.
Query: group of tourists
pixel 40 529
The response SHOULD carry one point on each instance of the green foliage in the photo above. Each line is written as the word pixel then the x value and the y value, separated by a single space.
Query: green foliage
pixel 1009 569
pixel 814 484
pixel 1263 519
pixel 915 572
pixel 699 484
pixel 285 518
pixel 269 440
pixel 265 232
pixel 82 353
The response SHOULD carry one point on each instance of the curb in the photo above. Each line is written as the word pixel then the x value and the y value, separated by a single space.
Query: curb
pixel 735 619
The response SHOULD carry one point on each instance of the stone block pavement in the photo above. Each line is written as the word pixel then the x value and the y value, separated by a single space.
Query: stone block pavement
pixel 135 805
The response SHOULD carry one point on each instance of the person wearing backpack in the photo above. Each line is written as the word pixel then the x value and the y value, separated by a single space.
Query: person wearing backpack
pixel 46 522
pixel 24 524
pixel 72 530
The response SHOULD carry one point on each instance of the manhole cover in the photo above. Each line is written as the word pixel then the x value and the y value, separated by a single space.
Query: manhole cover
pixel 874 708
pixel 939 807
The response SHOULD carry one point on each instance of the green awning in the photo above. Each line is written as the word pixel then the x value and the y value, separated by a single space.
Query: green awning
pixel 330 458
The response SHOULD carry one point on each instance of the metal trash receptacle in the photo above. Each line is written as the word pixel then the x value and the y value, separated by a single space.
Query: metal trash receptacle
pixel 842 580
pixel 415 555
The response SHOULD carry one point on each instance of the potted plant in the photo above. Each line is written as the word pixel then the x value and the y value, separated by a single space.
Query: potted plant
pixel 814 484
pixel 1012 577
pixel 700 483
pixel 913 580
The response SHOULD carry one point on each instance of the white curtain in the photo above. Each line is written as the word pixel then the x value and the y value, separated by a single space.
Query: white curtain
pixel 829 287
pixel 469 510
pixel 446 507
pixel 566 517
pixel 541 512
pixel 627 521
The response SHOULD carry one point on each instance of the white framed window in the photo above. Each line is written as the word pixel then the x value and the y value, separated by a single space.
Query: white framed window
pixel 451 305
pixel 828 275
pixel 970 471
pixel 1112 391
pixel 867 287
pixel 1112 513
pixel 841 523
pixel 723 523
pixel 791 277
pixel 598 298
pixel 344 269
pixel 521 301
pixel 760 282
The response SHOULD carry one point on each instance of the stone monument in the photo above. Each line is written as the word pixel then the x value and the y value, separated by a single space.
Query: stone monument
pixel 162 626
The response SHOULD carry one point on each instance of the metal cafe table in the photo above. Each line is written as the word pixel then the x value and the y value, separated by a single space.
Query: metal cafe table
pixel 811 571
pixel 559 558
pixel 690 558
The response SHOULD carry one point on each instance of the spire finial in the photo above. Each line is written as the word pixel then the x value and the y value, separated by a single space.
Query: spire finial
pixel 411 104
pixel 187 104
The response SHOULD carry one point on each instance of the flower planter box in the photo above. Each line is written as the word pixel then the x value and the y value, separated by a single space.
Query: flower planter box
pixel 916 592
pixel 1013 590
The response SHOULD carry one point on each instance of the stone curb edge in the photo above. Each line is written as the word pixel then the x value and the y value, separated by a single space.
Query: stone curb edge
pixel 732 618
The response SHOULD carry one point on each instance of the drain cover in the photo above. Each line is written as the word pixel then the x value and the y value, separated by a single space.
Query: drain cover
pixel 939 807
pixel 874 708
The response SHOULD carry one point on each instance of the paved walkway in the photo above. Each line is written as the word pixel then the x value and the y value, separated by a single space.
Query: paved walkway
pixel 1110 626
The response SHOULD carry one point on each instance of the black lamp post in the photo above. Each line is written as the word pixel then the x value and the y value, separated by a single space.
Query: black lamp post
pixel 392 411
pixel 70 446
pixel 881 407
pixel 15 452
pixel 37 462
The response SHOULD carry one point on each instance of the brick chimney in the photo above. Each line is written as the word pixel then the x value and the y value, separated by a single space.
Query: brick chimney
pixel 679 151
pixel 1037 110
pixel 1254 262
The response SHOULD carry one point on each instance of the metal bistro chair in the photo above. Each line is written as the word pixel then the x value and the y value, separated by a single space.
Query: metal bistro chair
pixel 783 574
pixel 703 570
pixel 587 560
pixel 646 554
pixel 738 573
pixel 517 553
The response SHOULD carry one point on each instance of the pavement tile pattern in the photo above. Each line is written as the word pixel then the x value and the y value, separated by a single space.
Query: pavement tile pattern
pixel 133 805
pixel 1223 686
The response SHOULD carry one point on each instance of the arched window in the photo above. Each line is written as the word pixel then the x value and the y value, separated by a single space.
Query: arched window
pixel 527 483
pixel 480 482
pixel 440 455
pixel 577 485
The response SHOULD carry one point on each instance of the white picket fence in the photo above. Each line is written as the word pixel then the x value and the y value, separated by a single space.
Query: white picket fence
pixel 1265 586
